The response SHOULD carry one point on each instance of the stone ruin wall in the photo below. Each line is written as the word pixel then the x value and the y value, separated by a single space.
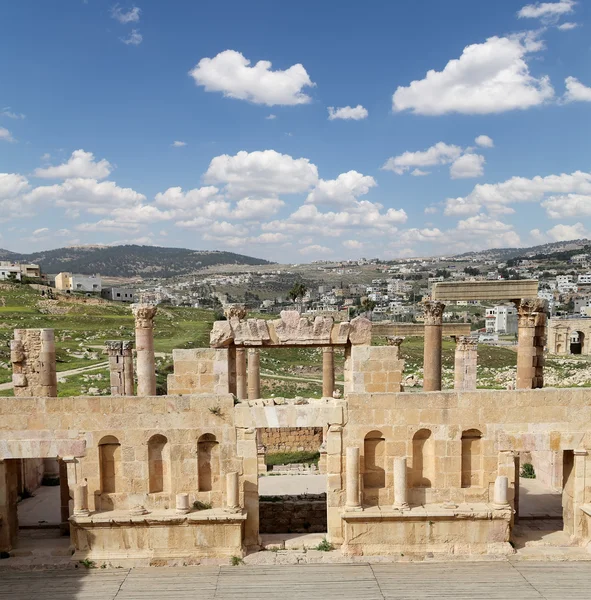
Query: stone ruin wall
pixel 293 514
pixel 291 439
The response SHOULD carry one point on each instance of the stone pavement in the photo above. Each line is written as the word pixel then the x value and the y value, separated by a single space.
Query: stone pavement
pixel 42 509
pixel 538 500
pixel 280 485
pixel 485 581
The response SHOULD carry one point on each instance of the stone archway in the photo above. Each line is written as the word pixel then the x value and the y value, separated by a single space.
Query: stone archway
pixel 577 342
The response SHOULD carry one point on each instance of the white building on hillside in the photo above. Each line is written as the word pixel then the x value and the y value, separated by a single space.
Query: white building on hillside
pixel 501 319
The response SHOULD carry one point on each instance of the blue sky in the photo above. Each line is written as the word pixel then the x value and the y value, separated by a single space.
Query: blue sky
pixel 389 129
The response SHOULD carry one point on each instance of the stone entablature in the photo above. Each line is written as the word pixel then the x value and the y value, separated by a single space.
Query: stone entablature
pixel 484 290
pixel 290 330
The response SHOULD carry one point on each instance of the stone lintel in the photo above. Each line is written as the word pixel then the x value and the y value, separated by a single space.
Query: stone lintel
pixel 484 290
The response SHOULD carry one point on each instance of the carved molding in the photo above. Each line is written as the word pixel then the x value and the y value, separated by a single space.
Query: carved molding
pixel 433 312
pixel 144 315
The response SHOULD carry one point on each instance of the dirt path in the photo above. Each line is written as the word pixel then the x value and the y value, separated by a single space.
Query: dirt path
pixel 65 374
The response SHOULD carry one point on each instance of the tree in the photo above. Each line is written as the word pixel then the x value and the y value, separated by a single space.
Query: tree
pixel 471 271
pixel 298 290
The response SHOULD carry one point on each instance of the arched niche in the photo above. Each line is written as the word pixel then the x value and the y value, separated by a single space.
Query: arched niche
pixel 374 454
pixel 471 458
pixel 423 459
pixel 208 463
pixel 109 464
pixel 158 464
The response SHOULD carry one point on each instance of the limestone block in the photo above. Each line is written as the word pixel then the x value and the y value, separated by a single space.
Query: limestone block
pixel 360 331
pixel 221 334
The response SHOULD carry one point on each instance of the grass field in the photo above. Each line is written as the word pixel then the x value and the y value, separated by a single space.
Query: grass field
pixel 81 328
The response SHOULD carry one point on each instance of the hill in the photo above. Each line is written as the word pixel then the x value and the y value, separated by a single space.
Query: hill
pixel 555 248
pixel 130 261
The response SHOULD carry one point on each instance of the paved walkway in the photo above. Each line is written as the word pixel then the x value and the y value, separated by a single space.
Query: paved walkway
pixel 538 500
pixel 485 581
pixel 42 509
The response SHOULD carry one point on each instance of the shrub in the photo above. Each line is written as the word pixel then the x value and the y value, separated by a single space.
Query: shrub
pixel 289 458
pixel 235 561
pixel 527 471
pixel 325 546
pixel 198 505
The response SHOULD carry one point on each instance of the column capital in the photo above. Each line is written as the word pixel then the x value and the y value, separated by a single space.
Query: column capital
pixel 113 347
pixel 235 311
pixel 328 349
pixel 580 452
pixel 395 340
pixel 433 312
pixel 528 308
pixel 253 350
pixel 144 315
pixel 466 342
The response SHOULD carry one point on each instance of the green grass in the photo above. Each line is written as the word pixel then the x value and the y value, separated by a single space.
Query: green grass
pixel 290 458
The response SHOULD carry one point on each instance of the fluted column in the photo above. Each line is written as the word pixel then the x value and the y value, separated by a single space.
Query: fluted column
pixel 352 467
pixel 144 343
pixel 327 371
pixel 433 312
pixel 400 485
pixel 254 374
pixel 466 359
pixel 241 387
pixel 531 321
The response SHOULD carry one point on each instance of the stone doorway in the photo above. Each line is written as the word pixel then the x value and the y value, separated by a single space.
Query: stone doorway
pixel 292 481
pixel 577 342
pixel 544 514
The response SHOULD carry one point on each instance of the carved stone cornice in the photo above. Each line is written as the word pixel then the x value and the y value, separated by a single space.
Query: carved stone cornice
pixel 144 315
pixel 433 312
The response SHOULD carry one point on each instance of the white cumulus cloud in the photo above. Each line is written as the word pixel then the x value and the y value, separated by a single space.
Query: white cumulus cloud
pixel 567 26
pixel 353 244
pixel 439 154
pixel 265 172
pixel 561 233
pixel 466 166
pixel 576 91
pixel 569 205
pixel 230 72
pixel 484 141
pixel 315 249
pixel 489 77
pixel 546 10
pixel 5 135
pixel 342 191
pixel 80 164
pixel 347 112
pixel 178 144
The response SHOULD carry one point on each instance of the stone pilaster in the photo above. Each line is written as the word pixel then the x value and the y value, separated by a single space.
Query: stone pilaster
pixel 144 342
pixel 254 374
pixel 120 367
pixel 241 386
pixel 8 500
pixel 32 354
pixel 531 322
pixel 232 492
pixel 327 371
pixel 466 360
pixel 433 313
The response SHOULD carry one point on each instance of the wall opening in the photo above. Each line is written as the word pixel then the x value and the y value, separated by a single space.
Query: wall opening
pixel 109 464
pixel 374 466
pixel 471 458
pixel 292 482
pixel 423 459
pixel 577 341
pixel 208 463
pixel 158 464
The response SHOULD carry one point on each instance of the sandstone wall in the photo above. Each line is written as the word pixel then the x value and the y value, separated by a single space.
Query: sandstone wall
pixel 293 514
pixel 291 439
pixel 373 369
pixel 199 371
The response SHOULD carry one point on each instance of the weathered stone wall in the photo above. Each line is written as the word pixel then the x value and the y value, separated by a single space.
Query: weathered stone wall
pixel 291 439
pixel 293 514
pixel 199 371
pixel 32 354
pixel 373 369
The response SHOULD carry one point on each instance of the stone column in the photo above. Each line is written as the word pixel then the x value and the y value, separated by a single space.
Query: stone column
pixel 579 520
pixel 32 354
pixel 128 379
pixel 120 367
pixel 8 499
pixel 531 321
pixel 466 360
pixel 81 499
pixel 433 311
pixel 232 492
pixel 501 492
pixel 144 343
pixel 400 486
pixel 254 374
pixel 327 371
pixel 182 504
pixel 353 478
pixel 241 387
